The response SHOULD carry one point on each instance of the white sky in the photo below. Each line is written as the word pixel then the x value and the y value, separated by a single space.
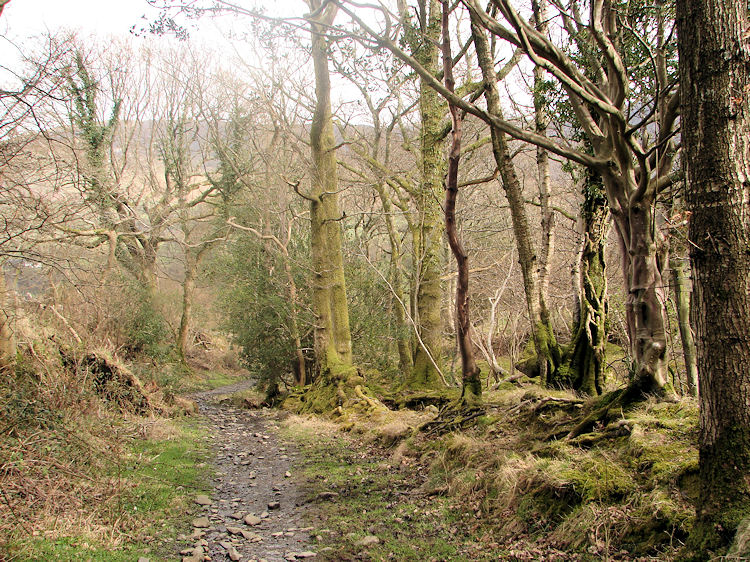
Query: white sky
pixel 24 18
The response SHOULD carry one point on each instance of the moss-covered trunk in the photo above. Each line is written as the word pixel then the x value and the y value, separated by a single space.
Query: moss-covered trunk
pixel 584 361
pixel 682 289
pixel 403 331
pixel 300 371
pixel 333 348
pixel 188 290
pixel 428 230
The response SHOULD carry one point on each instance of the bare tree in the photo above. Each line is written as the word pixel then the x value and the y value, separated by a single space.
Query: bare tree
pixel 635 164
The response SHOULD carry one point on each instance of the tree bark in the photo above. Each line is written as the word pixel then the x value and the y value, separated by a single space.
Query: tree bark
pixel 300 370
pixel 715 78
pixel 428 232
pixel 188 290
pixel 682 289
pixel 403 337
pixel 541 123
pixel 332 334
pixel 585 358
pixel 471 382
pixel 645 304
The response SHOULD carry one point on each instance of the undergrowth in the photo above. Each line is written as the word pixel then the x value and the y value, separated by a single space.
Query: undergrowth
pixel 624 491
pixel 83 477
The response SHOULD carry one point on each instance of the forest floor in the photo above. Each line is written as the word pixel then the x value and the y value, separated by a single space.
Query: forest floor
pixel 290 487
pixel 370 486
pixel 239 481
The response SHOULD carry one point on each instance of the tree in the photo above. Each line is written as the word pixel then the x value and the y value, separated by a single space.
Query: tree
pixel 631 137
pixel 27 214
pixel 333 346
pixel 584 359
pixel 547 350
pixel 715 78
pixel 471 391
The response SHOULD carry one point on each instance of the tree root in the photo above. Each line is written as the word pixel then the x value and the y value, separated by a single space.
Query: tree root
pixel 452 418
pixel 514 379
pixel 614 400
pixel 621 428
pixel 375 404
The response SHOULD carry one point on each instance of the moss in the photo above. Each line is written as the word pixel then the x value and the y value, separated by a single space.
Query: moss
pixel 471 393
pixel 598 477
pixel 656 518
pixel 339 388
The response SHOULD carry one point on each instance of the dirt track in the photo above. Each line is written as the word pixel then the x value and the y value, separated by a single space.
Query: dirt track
pixel 254 510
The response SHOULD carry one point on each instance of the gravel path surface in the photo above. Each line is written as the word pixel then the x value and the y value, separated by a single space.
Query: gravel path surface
pixel 254 512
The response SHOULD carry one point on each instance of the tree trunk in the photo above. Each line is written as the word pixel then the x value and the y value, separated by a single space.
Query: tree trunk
pixel 715 80
pixel 645 308
pixel 300 371
pixel 471 382
pixel 403 332
pixel 541 123
pixel 188 290
pixel 428 234
pixel 585 359
pixel 547 350
pixel 682 288
pixel 7 334
pixel 332 334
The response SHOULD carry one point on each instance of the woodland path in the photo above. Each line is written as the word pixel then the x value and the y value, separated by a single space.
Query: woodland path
pixel 254 512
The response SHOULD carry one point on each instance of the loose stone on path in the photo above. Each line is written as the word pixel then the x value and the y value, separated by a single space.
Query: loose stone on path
pixel 203 500
pixel 248 468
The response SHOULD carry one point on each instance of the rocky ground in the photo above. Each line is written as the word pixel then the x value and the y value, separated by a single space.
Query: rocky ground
pixel 254 512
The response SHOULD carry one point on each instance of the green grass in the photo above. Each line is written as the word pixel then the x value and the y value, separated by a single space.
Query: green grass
pixel 378 496
pixel 207 381
pixel 157 477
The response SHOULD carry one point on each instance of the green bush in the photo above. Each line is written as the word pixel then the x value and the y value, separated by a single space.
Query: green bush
pixel 254 297
pixel 143 327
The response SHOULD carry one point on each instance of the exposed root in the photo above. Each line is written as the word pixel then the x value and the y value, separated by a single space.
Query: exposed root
pixel 609 403
pixel 621 428
pixel 375 404
pixel 516 379
pixel 452 418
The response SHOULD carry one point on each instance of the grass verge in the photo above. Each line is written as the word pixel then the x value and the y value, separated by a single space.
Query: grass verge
pixel 97 485
pixel 358 490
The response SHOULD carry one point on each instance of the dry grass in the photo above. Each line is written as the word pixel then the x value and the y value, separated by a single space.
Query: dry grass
pixel 607 492
pixel 65 453
pixel 65 479
pixel 311 425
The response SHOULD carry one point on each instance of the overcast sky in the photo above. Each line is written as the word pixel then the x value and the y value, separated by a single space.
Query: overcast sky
pixel 22 18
